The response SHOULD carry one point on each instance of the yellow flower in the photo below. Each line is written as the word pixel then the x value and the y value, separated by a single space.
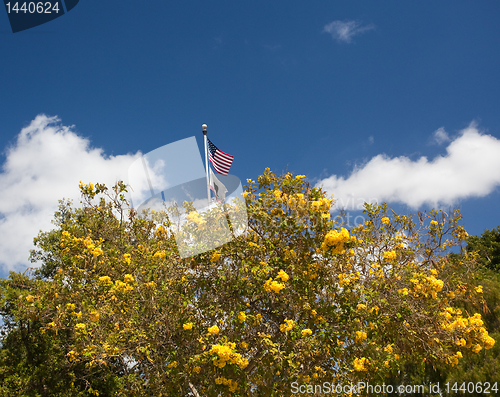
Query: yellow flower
pixel 396 356
pixel 30 298
pixel 360 336
pixel 299 177
pixel 479 289
pixel 388 348
pixel 274 286
pixel 283 276
pixel 244 345
pixel 215 257
pixel 159 254
pixel 476 348
pixel 489 342
pixel 94 316
pixel 96 252
pixel 242 317
pixel 213 330
pixel 245 194
pixel 287 326
pixel 335 240
pixel 80 326
pixel 70 306
pixel 385 220
pixel 128 279
pixel 105 280
pixel 360 364
pixel 389 256
pixel 126 258
pixel 306 332
pixel 196 370
pixel 173 364
pixel 187 326
pixel 434 223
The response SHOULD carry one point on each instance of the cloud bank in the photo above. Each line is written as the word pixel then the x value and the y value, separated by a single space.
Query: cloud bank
pixel 44 165
pixel 344 31
pixel 470 168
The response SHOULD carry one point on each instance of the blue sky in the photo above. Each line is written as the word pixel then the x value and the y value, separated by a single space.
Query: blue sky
pixel 352 94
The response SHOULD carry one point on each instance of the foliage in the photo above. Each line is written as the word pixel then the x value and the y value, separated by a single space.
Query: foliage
pixel 488 247
pixel 297 298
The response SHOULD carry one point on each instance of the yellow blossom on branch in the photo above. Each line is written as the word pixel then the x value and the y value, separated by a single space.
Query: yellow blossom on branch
pixel 389 256
pixel 288 325
pixel 361 364
pixel 273 286
pixel 306 332
pixel 283 276
pixel 214 330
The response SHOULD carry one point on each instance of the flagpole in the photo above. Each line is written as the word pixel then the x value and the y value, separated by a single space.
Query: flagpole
pixel 204 126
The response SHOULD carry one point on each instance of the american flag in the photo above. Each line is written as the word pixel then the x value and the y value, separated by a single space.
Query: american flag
pixel 220 160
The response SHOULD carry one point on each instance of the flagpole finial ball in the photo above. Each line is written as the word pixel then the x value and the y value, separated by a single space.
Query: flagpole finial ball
pixel 204 126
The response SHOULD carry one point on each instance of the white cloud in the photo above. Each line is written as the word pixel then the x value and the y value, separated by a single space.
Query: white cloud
pixel 470 168
pixel 44 165
pixel 440 136
pixel 344 31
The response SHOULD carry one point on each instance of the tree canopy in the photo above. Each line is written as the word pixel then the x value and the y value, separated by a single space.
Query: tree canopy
pixel 296 299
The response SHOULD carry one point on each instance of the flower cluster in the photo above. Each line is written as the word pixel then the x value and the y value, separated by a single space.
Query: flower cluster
pixel 195 217
pixel 426 285
pixel 214 330
pixel 287 325
pixel 306 332
pixel 129 279
pixel 90 245
pixel 227 353
pixel 242 317
pixel 323 204
pixel 334 241
pixel 233 385
pixel 105 280
pixel 390 256
pixel 273 286
pixel 360 336
pixel 283 276
pixel 361 364
pixel 471 328
pixel 120 286
pixel 94 316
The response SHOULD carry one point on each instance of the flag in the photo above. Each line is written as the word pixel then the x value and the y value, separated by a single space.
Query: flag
pixel 220 160
pixel 217 187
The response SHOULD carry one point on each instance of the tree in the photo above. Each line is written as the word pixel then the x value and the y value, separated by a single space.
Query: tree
pixel 488 247
pixel 296 301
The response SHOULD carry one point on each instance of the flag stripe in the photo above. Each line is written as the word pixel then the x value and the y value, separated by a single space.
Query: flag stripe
pixel 219 159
